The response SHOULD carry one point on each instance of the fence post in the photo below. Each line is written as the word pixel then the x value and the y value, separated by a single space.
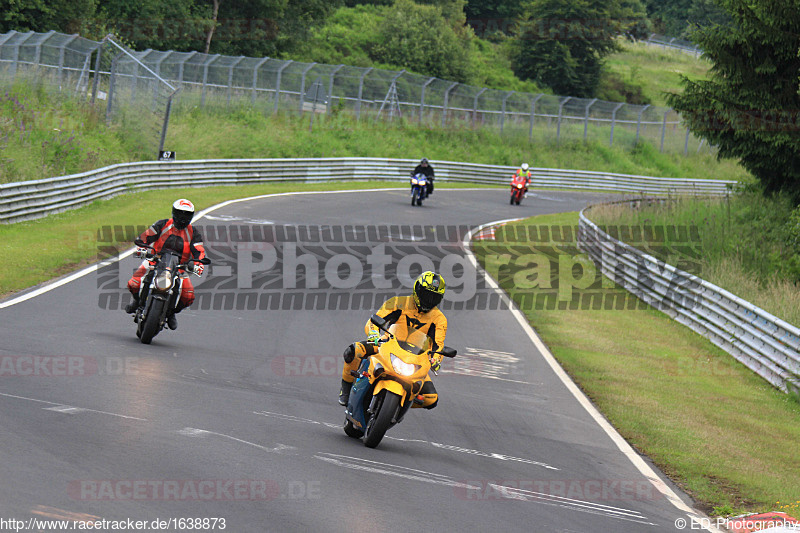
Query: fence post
pixel 278 85
pixel 613 121
pixel 560 109
pixel 663 129
pixel 422 99
pixel 330 88
pixel 475 107
pixel 97 69
pixel 15 60
pixel 303 85
pixel 446 98
pixel 180 68
pixel 61 54
pixel 639 122
pixel 361 92
pixel 165 125
pixel 230 79
pixel 255 79
pixel 158 73
pixel 38 56
pixel 586 119
pixel 112 82
pixel 503 116
pixel 686 143
pixel 533 115
pixel 205 78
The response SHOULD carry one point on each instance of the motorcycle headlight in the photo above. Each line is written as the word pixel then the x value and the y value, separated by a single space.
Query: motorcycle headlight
pixel 413 181
pixel 403 368
pixel 164 281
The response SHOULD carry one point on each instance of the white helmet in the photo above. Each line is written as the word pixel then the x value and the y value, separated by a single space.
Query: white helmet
pixel 524 167
pixel 182 213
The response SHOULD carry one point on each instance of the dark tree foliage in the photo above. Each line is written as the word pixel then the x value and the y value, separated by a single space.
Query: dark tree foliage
pixel 678 18
pixel 750 108
pixel 562 43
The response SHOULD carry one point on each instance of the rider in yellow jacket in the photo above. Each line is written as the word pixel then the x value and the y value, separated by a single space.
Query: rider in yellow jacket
pixel 419 310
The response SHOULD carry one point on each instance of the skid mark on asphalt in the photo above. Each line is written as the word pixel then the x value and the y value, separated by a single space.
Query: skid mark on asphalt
pixel 449 447
pixel 388 469
pixel 69 409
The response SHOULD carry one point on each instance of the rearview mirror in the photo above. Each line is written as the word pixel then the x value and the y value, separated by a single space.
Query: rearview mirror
pixel 448 352
pixel 378 321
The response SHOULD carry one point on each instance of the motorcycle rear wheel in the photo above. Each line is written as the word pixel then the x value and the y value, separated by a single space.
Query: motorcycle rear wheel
pixel 151 323
pixel 382 420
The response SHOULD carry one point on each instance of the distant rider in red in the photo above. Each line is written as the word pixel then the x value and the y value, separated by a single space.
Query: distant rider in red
pixel 176 234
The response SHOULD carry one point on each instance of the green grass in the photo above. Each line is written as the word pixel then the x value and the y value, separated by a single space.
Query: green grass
pixel 722 433
pixel 748 244
pixel 46 248
pixel 655 70
pixel 244 132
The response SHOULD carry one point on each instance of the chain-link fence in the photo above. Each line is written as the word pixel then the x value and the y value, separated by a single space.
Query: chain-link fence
pixel 148 80
pixel 673 43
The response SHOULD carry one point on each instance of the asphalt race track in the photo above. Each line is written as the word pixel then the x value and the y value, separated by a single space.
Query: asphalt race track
pixel 234 415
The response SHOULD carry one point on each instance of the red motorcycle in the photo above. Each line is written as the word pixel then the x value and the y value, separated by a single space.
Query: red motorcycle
pixel 518 186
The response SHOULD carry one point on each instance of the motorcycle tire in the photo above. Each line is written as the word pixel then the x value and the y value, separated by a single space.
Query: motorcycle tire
pixel 151 323
pixel 414 197
pixel 512 199
pixel 351 430
pixel 382 420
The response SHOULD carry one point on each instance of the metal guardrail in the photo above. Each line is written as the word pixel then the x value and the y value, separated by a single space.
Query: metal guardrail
pixel 767 345
pixel 674 43
pixel 35 199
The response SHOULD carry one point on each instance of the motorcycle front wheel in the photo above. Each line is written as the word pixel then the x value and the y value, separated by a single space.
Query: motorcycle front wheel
pixel 151 323
pixel 382 420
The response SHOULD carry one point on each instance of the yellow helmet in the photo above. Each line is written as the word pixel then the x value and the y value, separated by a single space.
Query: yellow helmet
pixel 428 291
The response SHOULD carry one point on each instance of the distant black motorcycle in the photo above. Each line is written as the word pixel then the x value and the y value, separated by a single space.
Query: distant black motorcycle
pixel 160 290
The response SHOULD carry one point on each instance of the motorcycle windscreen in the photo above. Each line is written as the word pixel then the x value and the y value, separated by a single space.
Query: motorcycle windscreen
pixel 409 338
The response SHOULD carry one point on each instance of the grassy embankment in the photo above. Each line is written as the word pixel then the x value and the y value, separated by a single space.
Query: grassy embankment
pixel 721 432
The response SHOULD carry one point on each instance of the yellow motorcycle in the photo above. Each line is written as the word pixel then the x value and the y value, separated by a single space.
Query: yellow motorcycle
pixel 388 382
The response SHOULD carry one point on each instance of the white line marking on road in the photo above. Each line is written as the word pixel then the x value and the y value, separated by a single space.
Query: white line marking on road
pixel 388 469
pixel 61 405
pixel 66 409
pixel 194 432
pixel 295 419
pixel 620 442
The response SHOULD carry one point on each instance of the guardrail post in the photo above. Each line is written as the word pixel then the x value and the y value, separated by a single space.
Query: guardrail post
pixel 639 122
pixel 255 79
pixel 560 109
pixel 361 92
pixel 446 98
pixel 613 121
pixel 422 99
pixel 475 107
pixel 278 85
pixel 503 116
pixel 533 115
pixel 586 119
pixel 303 85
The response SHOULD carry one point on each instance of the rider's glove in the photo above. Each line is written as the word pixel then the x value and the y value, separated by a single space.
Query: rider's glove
pixel 140 252
pixel 198 268
pixel 436 365
pixel 374 337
